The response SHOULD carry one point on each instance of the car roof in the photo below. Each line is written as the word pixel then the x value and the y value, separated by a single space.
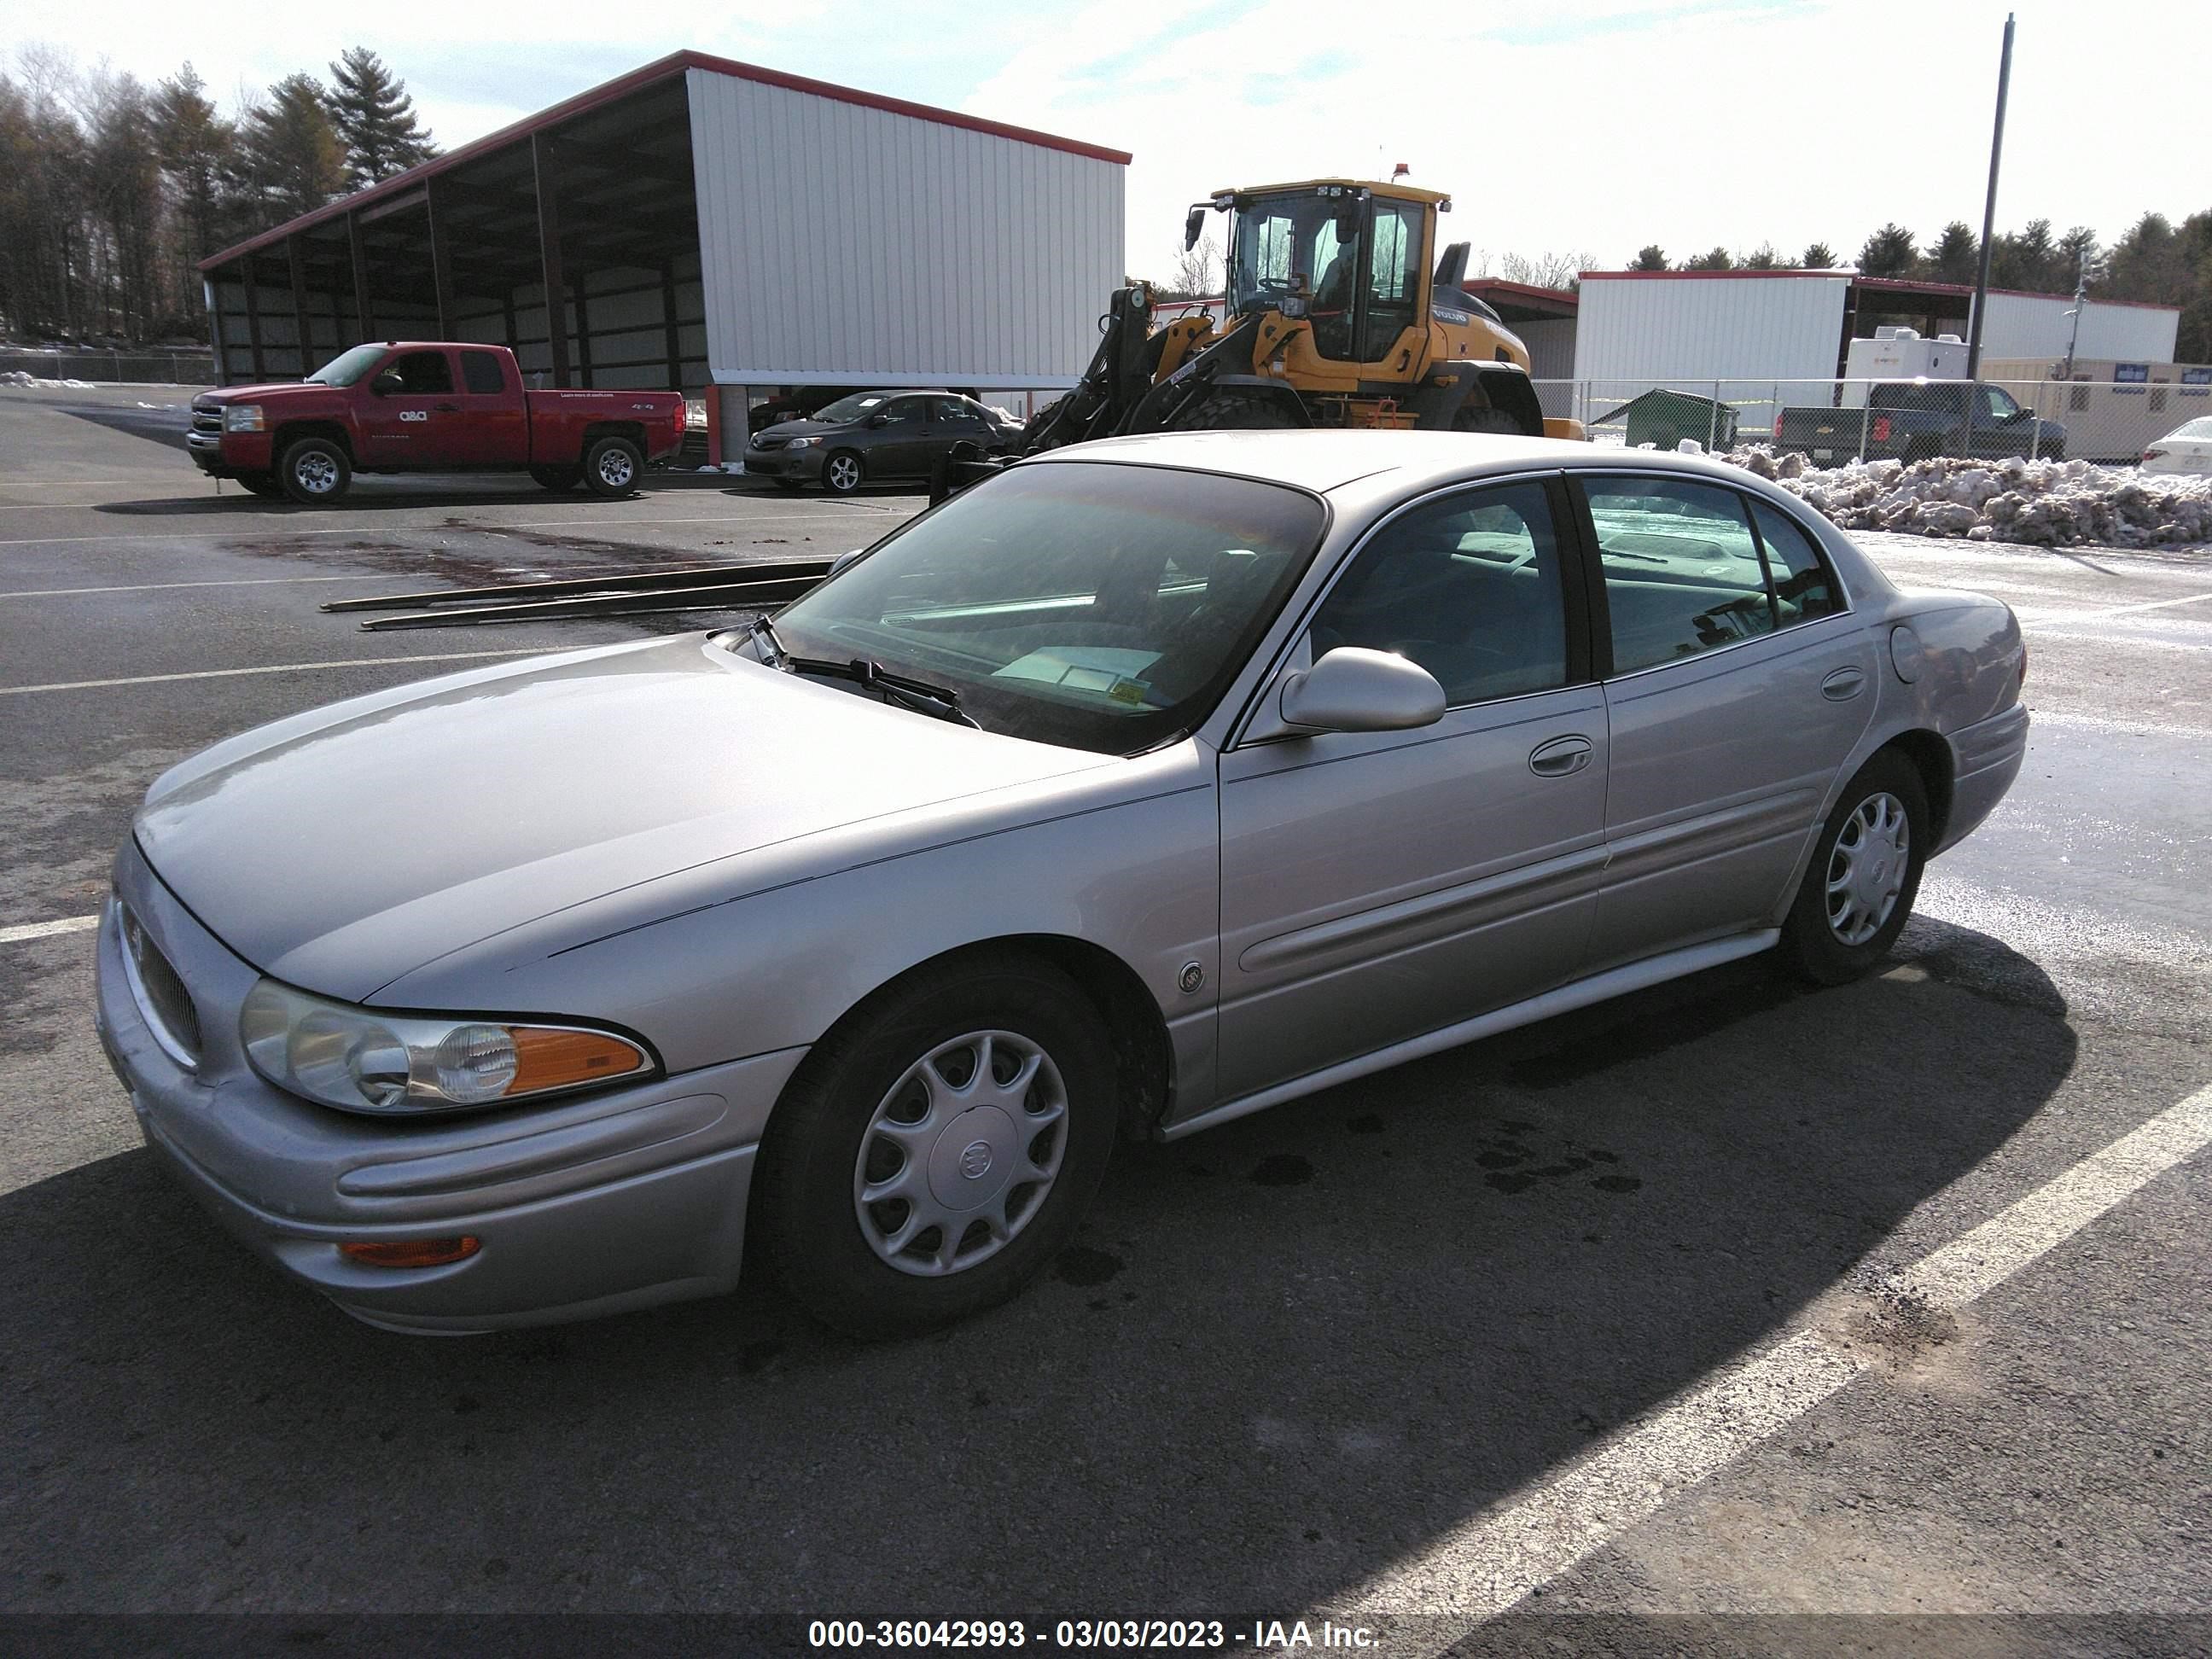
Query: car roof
pixel 1323 459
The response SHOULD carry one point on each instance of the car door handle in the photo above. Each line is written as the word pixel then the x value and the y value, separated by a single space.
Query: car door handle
pixel 447 409
pixel 1843 685
pixel 1560 757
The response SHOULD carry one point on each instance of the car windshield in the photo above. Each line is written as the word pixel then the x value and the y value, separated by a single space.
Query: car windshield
pixel 852 408
pixel 2193 429
pixel 1092 605
pixel 349 368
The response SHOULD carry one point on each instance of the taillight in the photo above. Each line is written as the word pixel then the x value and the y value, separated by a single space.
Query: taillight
pixel 1881 429
pixel 1777 428
pixel 2153 454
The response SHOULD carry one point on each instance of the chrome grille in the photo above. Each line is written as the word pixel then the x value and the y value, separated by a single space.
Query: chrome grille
pixel 759 442
pixel 161 995
pixel 206 417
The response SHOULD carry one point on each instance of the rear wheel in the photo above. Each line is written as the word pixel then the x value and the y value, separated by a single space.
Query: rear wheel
pixel 262 484
pixel 612 467
pixel 314 471
pixel 1237 412
pixel 1865 872
pixel 933 1155
pixel 842 471
pixel 557 478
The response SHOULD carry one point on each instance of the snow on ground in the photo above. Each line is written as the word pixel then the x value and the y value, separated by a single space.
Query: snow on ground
pixel 24 377
pixel 2045 503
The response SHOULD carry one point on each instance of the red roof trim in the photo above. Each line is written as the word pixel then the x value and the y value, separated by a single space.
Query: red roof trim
pixel 1484 287
pixel 661 69
pixel 1879 284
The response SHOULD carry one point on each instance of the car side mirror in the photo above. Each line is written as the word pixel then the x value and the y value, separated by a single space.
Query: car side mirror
pixel 1194 227
pixel 1352 688
pixel 387 385
pixel 879 418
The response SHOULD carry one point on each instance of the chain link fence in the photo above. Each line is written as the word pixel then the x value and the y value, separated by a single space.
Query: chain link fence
pixel 110 368
pixel 1833 422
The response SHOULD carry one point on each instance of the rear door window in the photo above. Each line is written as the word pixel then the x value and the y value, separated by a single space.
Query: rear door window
pixel 421 373
pixel 1803 589
pixel 483 373
pixel 1681 565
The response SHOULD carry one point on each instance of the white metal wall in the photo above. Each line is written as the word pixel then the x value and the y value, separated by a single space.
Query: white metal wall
pixel 841 242
pixel 2032 326
pixel 1665 331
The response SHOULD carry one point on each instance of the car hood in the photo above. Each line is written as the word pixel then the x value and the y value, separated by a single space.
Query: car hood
pixel 241 394
pixel 344 847
pixel 806 428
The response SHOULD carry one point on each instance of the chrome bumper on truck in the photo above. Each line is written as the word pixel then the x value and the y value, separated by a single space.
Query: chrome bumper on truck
pixel 580 1206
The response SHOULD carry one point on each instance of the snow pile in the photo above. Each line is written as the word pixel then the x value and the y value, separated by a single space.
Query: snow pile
pixel 2049 503
pixel 24 377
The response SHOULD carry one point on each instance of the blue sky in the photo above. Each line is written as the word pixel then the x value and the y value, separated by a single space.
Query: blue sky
pixel 1588 128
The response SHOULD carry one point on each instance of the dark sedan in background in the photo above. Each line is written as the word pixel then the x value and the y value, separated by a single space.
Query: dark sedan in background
pixel 875 436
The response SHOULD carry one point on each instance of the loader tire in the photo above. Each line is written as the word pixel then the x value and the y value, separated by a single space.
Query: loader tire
pixel 1485 417
pixel 1237 412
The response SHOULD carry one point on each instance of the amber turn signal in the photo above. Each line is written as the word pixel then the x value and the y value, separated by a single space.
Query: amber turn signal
pixel 411 1252
pixel 562 1060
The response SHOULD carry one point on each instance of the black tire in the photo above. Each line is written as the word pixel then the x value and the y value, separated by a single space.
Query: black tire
pixel 843 471
pixel 1815 943
pixel 557 478
pixel 811 1158
pixel 1485 417
pixel 612 467
pixel 1237 412
pixel 262 484
pixel 314 471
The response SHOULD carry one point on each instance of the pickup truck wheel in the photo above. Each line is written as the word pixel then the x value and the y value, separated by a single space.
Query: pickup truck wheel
pixel 613 467
pixel 262 484
pixel 932 1156
pixel 557 478
pixel 314 473
pixel 842 472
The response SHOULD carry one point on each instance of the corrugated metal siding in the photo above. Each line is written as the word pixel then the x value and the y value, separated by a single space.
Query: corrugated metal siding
pixel 1631 334
pixel 845 243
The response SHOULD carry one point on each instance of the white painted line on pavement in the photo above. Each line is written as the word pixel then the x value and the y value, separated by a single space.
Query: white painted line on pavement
pixel 2155 604
pixel 1494 1562
pixel 46 929
pixel 882 515
pixel 523 574
pixel 278 668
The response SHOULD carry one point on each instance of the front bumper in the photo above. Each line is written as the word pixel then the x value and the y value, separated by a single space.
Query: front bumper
pixel 227 454
pixel 800 465
pixel 585 1206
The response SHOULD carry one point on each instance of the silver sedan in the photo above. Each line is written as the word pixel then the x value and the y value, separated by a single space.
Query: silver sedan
pixel 1147 785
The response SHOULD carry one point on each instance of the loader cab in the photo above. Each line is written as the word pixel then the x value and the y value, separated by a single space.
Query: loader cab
pixel 1348 258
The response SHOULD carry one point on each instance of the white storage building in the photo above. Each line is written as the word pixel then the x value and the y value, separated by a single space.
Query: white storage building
pixel 706 223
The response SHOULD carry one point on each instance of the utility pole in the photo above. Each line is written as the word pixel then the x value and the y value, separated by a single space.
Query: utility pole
pixel 1988 213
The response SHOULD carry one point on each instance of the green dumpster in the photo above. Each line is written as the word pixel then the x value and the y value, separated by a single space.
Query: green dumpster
pixel 1663 419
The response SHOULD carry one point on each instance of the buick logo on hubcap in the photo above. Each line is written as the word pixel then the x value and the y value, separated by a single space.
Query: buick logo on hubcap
pixel 976 1160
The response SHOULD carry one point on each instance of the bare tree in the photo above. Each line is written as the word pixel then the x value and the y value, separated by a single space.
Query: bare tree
pixel 1197 271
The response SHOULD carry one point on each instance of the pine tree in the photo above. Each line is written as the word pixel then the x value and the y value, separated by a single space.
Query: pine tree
pixel 289 158
pixel 1719 260
pixel 375 119
pixel 194 148
pixel 1818 256
pixel 1888 253
pixel 1955 254
pixel 2081 256
pixel 1651 256
pixel 1762 258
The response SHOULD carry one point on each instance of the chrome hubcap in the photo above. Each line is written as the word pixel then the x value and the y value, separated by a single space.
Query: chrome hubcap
pixel 615 468
pixel 1866 872
pixel 318 474
pixel 961 1153
pixel 844 471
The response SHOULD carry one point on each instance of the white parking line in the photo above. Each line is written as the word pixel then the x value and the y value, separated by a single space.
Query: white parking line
pixel 884 513
pixel 46 929
pixel 1495 1561
pixel 522 572
pixel 277 668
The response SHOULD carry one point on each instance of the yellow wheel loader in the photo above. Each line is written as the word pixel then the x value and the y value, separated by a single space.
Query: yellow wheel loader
pixel 1339 312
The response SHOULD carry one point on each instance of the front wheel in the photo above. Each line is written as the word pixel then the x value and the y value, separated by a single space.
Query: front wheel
pixel 933 1155
pixel 1865 873
pixel 556 478
pixel 842 472
pixel 314 471
pixel 612 467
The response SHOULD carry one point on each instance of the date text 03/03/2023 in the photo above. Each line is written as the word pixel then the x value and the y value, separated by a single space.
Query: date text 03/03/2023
pixel 986 1634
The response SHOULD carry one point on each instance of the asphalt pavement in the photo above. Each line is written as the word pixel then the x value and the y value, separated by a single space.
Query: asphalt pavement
pixel 1313 1363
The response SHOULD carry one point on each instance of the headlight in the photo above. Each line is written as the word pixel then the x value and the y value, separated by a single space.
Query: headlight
pixel 802 443
pixel 242 418
pixel 361 1060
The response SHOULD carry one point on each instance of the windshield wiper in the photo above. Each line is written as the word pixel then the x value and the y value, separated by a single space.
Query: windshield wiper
pixel 920 695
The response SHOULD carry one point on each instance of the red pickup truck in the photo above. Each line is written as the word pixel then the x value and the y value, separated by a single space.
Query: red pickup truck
pixel 428 406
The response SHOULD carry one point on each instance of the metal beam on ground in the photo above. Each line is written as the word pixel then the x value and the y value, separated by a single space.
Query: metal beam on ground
pixel 549 251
